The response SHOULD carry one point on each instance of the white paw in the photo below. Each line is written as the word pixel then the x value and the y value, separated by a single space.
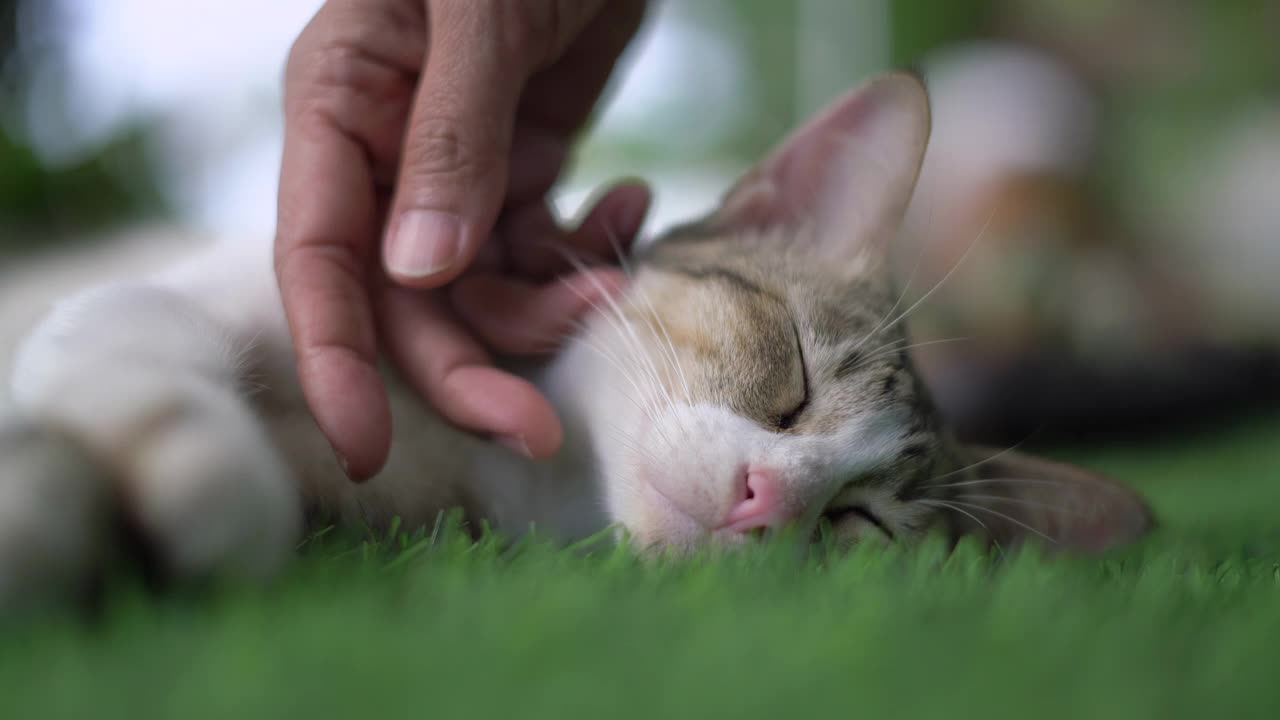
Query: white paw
pixel 210 493
pixel 146 383
pixel 180 460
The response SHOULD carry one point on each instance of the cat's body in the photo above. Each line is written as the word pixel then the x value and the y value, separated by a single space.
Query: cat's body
pixel 118 367
pixel 754 374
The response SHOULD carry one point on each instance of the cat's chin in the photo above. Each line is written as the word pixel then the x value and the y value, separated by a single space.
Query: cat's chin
pixel 658 528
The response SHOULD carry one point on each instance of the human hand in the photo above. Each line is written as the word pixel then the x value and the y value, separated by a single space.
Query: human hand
pixel 433 122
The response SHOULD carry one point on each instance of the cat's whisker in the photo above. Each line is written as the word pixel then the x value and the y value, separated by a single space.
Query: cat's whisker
pixel 1014 501
pixel 1030 481
pixel 632 444
pixel 625 324
pixel 673 358
pixel 644 407
pixel 618 252
pixel 888 314
pixel 669 350
pixel 906 287
pixel 893 351
pixel 938 285
pixel 628 441
pixel 1006 481
pixel 240 360
pixel 673 363
pixel 615 479
pixel 616 320
pixel 240 365
pixel 659 385
pixel 974 465
pixel 886 346
pixel 1004 516
pixel 948 506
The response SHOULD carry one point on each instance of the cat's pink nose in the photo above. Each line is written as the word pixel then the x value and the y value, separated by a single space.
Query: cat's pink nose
pixel 762 505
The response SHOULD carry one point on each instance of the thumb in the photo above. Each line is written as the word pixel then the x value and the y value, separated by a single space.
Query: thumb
pixel 453 172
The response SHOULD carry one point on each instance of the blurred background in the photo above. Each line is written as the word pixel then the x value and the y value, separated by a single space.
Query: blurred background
pixel 1101 196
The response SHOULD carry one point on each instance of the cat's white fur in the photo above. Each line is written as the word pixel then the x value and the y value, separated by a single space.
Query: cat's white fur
pixel 192 346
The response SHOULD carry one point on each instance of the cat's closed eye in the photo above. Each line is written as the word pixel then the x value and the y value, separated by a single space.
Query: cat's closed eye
pixel 788 419
pixel 850 517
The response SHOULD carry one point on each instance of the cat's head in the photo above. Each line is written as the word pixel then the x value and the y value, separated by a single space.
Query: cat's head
pixel 755 374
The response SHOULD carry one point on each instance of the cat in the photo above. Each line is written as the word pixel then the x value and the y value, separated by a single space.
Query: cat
pixel 753 375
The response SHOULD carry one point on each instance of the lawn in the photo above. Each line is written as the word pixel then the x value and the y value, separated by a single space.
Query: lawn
pixel 1185 625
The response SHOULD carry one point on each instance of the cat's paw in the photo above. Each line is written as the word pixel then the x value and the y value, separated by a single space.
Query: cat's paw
pixel 55 514
pixel 182 463
pixel 147 384
pixel 208 491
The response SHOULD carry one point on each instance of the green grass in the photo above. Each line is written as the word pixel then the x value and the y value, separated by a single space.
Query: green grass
pixel 1185 625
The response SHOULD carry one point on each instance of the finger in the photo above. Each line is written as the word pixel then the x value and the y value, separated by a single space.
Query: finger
pixel 325 232
pixel 359 62
pixel 519 318
pixel 453 174
pixel 444 364
pixel 537 247
pixel 320 270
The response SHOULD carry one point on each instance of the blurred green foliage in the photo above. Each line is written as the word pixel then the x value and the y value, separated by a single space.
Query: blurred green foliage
pixel 918 27
pixel 113 183
pixel 765 31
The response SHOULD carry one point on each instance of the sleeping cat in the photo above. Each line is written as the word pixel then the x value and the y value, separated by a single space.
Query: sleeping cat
pixel 753 375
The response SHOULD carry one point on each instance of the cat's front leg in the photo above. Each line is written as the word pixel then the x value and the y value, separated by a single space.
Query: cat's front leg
pixel 153 391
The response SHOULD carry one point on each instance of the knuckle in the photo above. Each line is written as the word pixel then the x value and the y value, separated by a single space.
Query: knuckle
pixel 525 30
pixel 340 76
pixel 530 32
pixel 437 147
pixel 329 68
pixel 314 118
pixel 327 31
pixel 362 53
pixel 343 89
pixel 540 31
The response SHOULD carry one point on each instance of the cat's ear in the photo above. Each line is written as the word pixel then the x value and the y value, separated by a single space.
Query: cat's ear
pixel 850 171
pixel 1018 497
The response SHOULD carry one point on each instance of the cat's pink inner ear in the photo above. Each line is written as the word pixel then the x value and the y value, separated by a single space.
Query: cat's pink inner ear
pixel 855 163
pixel 753 202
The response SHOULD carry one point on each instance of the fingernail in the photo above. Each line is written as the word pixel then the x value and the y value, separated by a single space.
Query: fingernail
pixel 515 444
pixel 423 243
